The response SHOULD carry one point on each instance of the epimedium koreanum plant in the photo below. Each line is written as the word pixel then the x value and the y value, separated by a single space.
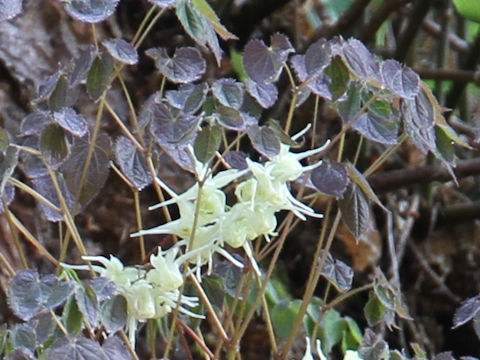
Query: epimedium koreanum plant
pixel 383 101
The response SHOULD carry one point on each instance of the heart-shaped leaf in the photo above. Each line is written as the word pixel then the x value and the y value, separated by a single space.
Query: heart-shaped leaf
pixel 264 140
pixel 91 11
pixel 330 178
pixel 265 93
pixel 186 65
pixel 229 92
pixel 132 162
pixel 71 121
pixel 207 143
pixel 121 50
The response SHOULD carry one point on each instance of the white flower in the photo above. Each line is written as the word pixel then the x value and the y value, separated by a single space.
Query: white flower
pixel 112 269
pixel 165 275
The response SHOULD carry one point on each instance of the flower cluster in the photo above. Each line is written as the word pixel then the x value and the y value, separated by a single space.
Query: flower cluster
pixel 151 292
pixel 207 223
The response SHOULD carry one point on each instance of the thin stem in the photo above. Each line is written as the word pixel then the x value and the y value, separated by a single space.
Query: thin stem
pixel 124 129
pixel 138 215
pixel 385 155
pixel 239 334
pixel 130 348
pixel 216 322
pixel 16 240
pixel 267 319
pixel 6 265
pixel 149 27
pixel 20 227
pixel 345 296
pixel 36 195
pixel 311 287
pixel 142 25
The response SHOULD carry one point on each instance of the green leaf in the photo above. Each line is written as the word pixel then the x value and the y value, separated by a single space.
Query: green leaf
pixel 236 59
pixel 62 95
pixel 444 145
pixel 340 77
pixel 283 316
pixel 53 145
pixel 331 329
pixel 192 21
pixel 207 143
pixel 213 286
pixel 98 78
pixel 373 310
pixel 468 8
pixel 207 10
pixel 72 317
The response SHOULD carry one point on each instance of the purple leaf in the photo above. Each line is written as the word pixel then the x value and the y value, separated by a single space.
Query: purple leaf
pixel 467 311
pixel 186 65
pixel 377 128
pixel 281 46
pixel 419 120
pixel 43 184
pixel 338 273
pixel 230 118
pixel 229 92
pixel 236 159
pixel 103 287
pixel 260 62
pixel 355 211
pixel 83 64
pixel 114 313
pixel 189 97
pixel 132 163
pixel 361 61
pixel 77 348
pixel 317 57
pixel 29 294
pixel 97 172
pixel 35 122
pixel 264 140
pixel 168 130
pixel 71 121
pixel 401 80
pixel 331 178
pixel 265 93
pixel 121 50
pixel 9 9
pixel 298 64
pixel 91 11
pixel 115 348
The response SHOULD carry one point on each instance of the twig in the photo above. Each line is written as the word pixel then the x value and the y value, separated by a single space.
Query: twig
pixel 418 13
pixel 379 16
pixel 395 179
pixel 469 63
pixel 420 257
pixel 456 42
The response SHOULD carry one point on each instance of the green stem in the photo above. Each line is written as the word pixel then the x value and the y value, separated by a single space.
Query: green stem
pixel 317 267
